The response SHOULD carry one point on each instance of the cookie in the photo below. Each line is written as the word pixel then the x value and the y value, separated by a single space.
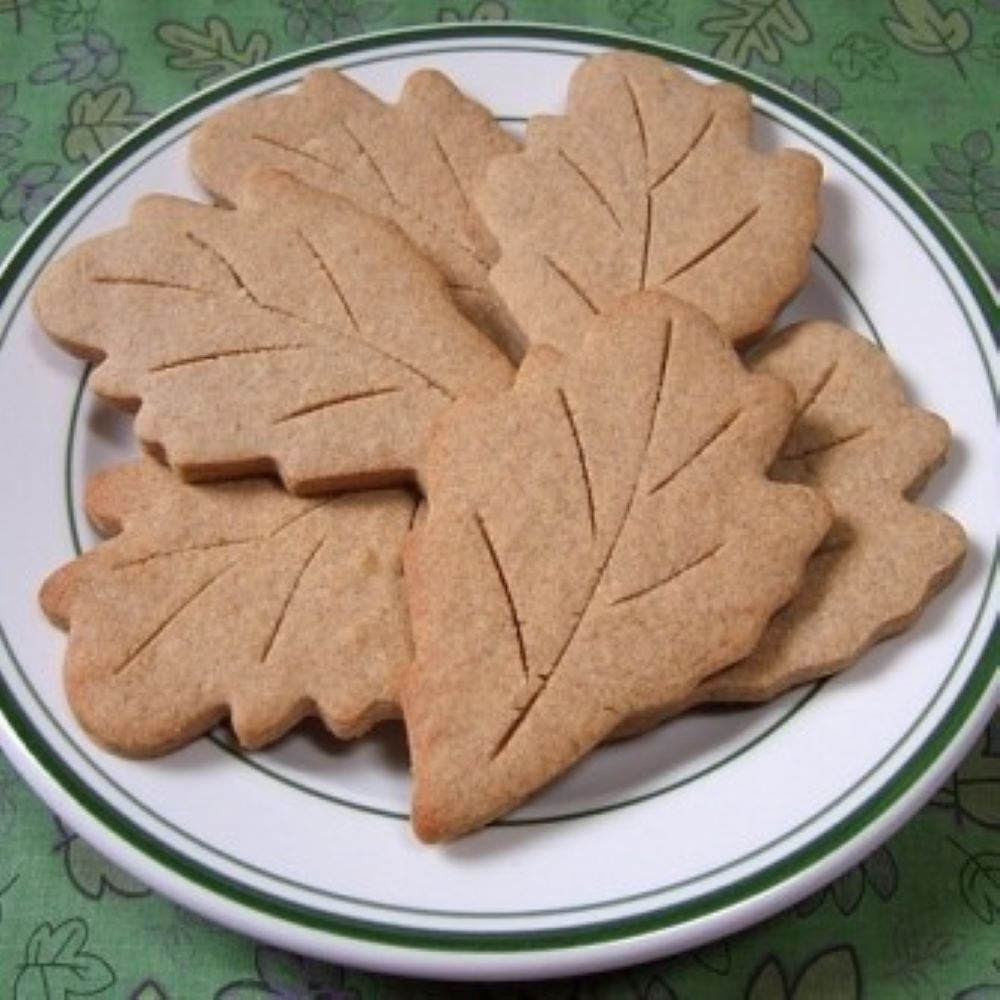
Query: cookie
pixel 648 181
pixel 415 163
pixel 312 341
pixel 859 442
pixel 231 599
pixel 597 541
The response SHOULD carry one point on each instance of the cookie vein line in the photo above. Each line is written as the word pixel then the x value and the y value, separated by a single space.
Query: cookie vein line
pixel 292 591
pixel 207 247
pixel 508 594
pixel 694 564
pixel 367 154
pixel 717 244
pixel 298 516
pixel 235 352
pixel 577 288
pixel 443 153
pixel 582 458
pixel 326 404
pixel 183 550
pixel 111 279
pixel 648 220
pixel 686 155
pixel 810 399
pixel 172 618
pixel 820 449
pixel 293 150
pixel 698 452
pixel 591 184
pixel 328 274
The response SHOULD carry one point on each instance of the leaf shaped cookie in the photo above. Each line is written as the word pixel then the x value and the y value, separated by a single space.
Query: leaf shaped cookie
pixel 315 342
pixel 233 598
pixel 416 163
pixel 857 441
pixel 648 181
pixel 597 542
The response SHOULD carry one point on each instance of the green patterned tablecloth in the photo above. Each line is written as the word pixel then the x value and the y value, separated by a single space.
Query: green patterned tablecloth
pixel 920 79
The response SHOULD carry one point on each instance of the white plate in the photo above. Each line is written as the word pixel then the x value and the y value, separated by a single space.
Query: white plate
pixel 651 846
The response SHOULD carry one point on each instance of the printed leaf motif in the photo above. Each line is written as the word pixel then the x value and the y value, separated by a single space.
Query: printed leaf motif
pixel 91 874
pixel 832 973
pixel 56 964
pixel 484 10
pixel 68 15
pixel 965 180
pixel 820 92
pixel 94 54
pixel 30 191
pixel 265 344
pixel 859 442
pixel 648 181
pixel 543 505
pixel 284 975
pixel 211 51
pixel 979 882
pixel 650 17
pixel 324 20
pixel 877 871
pixel 97 119
pixel 919 25
pixel 715 957
pixel 858 56
pixel 748 28
pixel 10 125
pixel 268 605
pixel 415 163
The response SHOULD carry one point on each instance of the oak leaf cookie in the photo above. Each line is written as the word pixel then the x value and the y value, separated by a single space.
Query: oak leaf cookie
pixel 234 598
pixel 416 163
pixel 869 452
pixel 597 541
pixel 648 181
pixel 313 341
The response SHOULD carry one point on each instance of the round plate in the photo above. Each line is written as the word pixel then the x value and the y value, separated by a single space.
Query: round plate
pixel 650 846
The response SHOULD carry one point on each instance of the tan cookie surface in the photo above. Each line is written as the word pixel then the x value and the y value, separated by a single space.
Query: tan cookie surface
pixel 231 599
pixel 416 163
pixel 315 341
pixel 597 542
pixel 859 442
pixel 648 181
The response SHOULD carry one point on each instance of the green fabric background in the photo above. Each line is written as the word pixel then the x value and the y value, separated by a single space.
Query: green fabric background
pixel 920 79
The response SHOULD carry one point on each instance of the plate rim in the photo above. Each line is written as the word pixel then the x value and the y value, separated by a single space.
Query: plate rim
pixel 877 817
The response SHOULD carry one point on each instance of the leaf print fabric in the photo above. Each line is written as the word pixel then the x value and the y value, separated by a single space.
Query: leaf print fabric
pixel 211 51
pixel 749 29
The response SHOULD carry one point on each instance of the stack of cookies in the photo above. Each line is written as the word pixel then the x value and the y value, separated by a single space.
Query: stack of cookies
pixel 443 426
